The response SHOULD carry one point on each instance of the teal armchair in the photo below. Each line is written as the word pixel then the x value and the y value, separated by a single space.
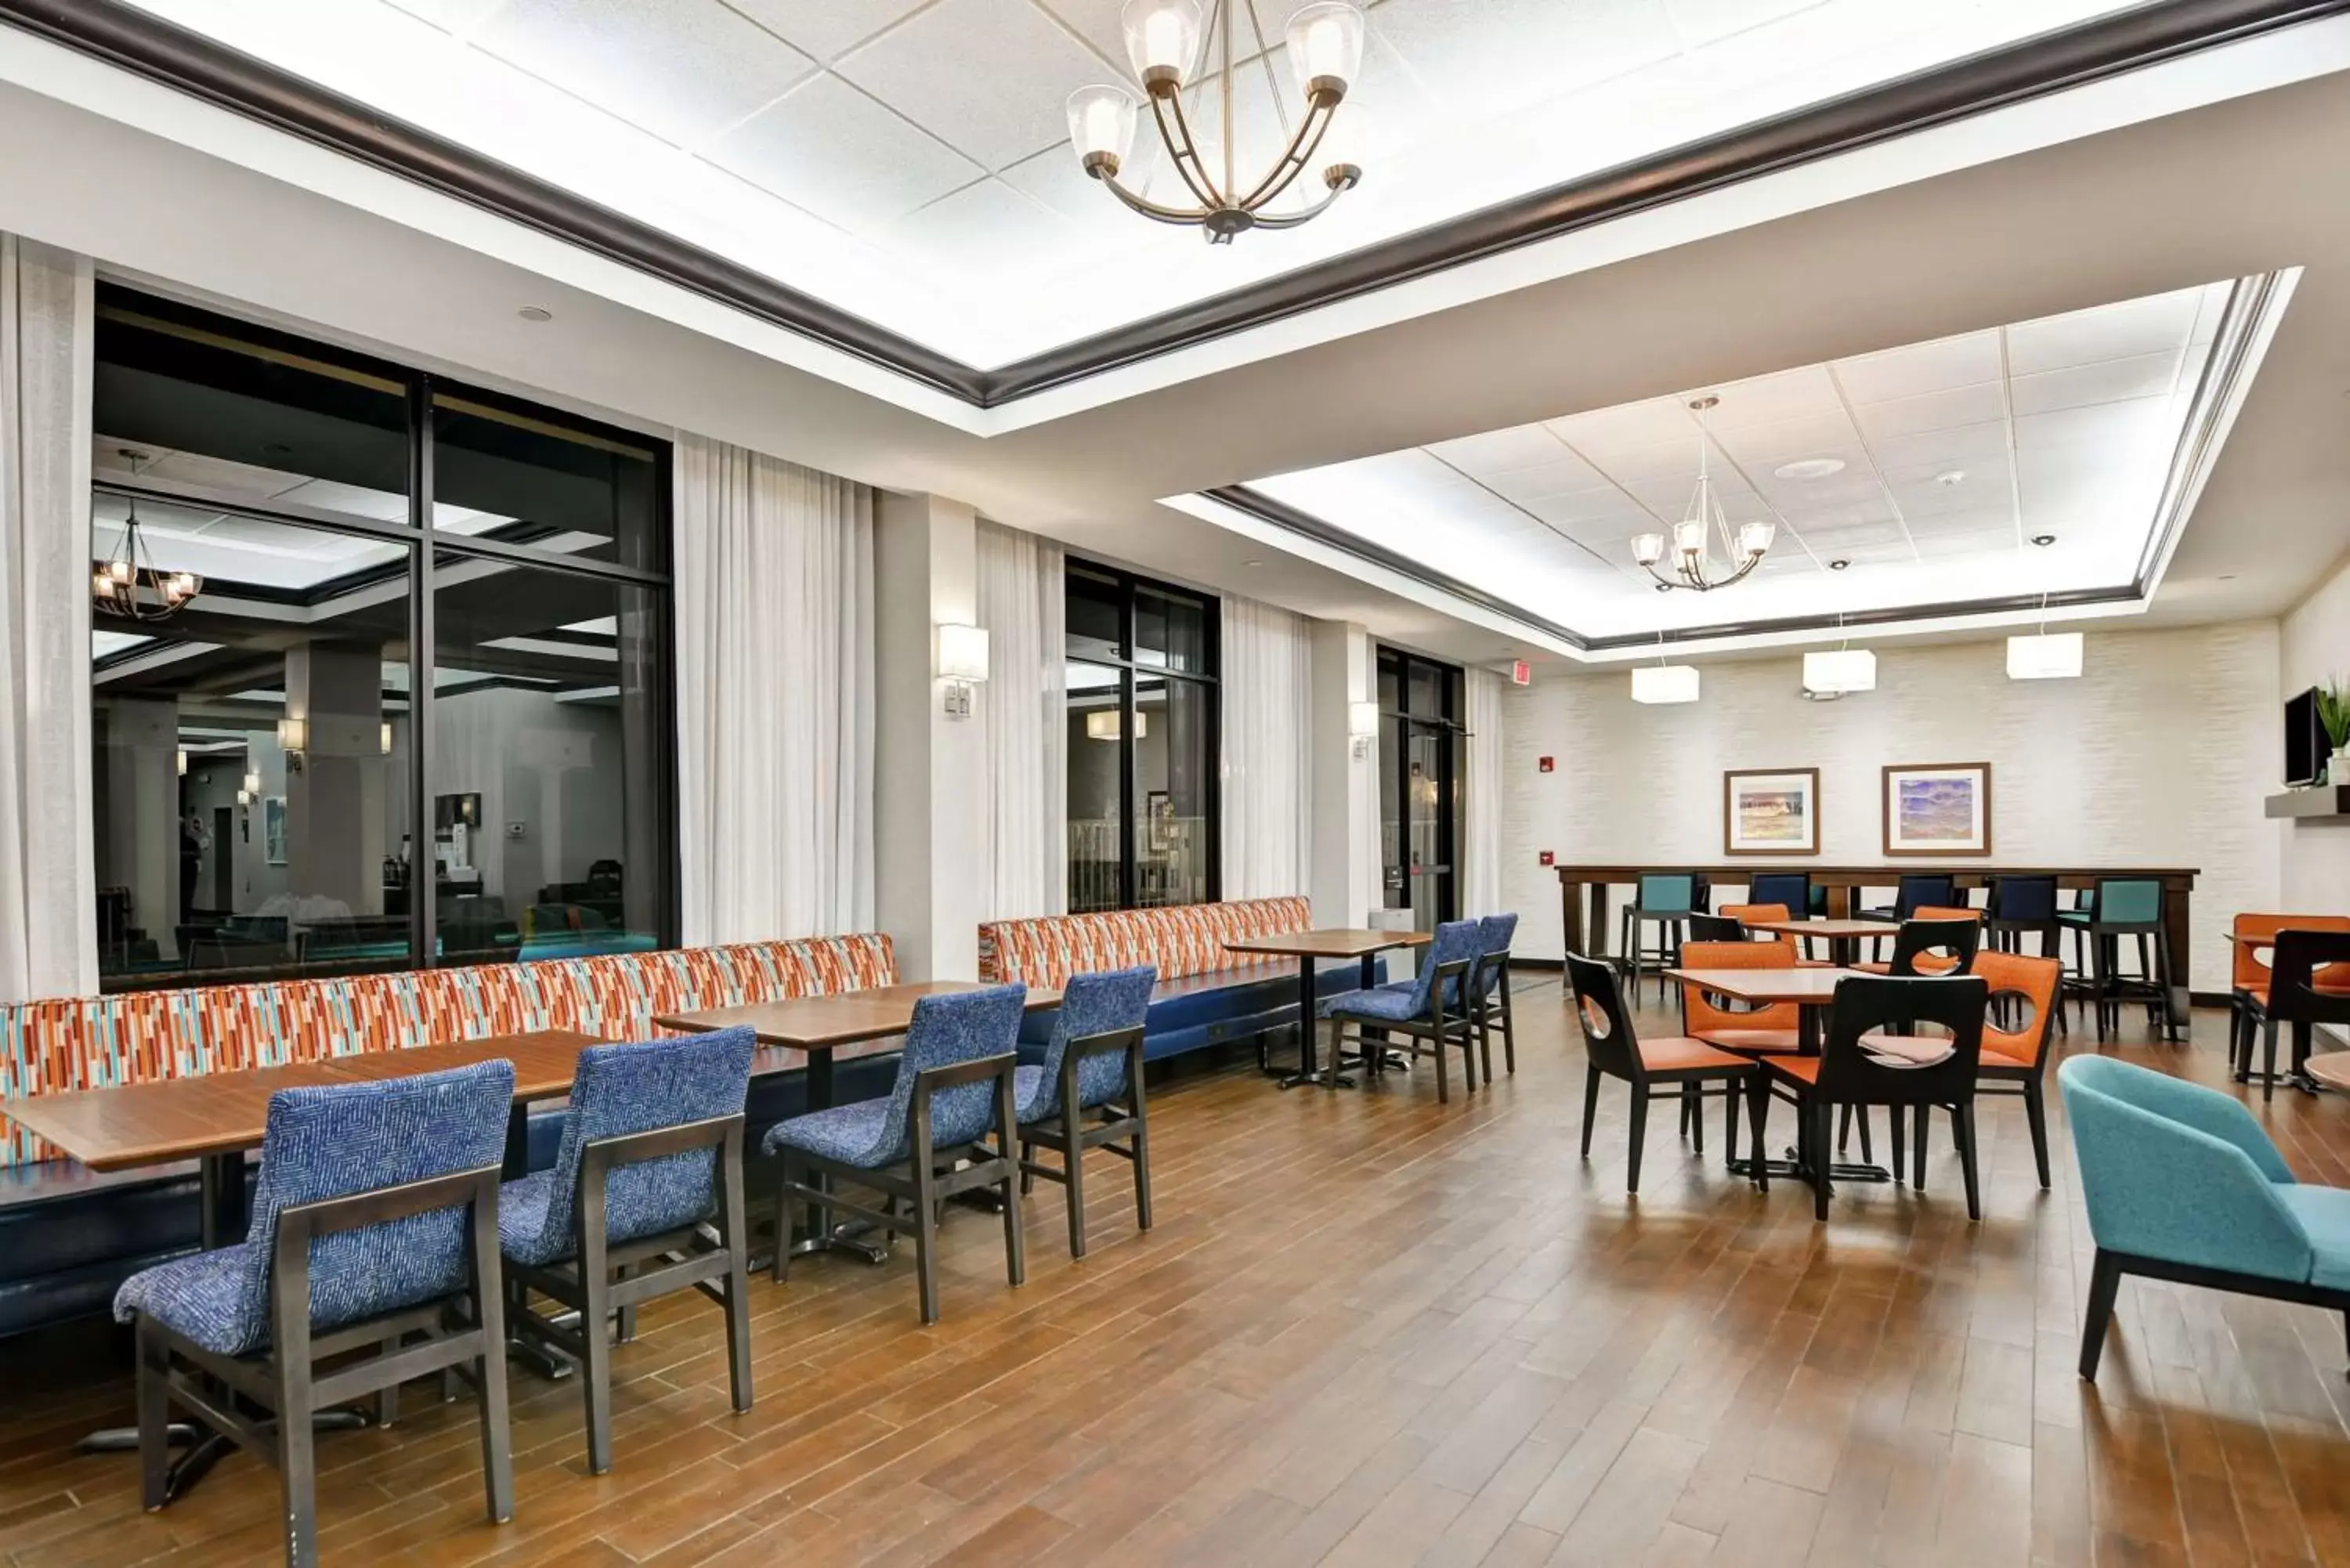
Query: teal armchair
pixel 2182 1185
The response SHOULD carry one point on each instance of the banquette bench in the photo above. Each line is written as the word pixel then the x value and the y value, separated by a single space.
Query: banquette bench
pixel 69 1236
pixel 1206 995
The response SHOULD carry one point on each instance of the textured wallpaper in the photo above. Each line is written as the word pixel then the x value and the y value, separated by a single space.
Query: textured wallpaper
pixel 2317 648
pixel 2158 755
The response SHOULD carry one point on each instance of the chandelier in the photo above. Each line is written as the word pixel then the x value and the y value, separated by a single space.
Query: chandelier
pixel 1162 37
pixel 127 583
pixel 1693 564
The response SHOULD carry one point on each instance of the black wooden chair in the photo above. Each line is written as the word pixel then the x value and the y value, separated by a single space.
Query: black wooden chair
pixel 2294 998
pixel 372 1259
pixel 1911 893
pixel 1614 1049
pixel 645 1198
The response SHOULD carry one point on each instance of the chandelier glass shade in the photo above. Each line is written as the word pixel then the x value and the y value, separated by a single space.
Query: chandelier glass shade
pixel 1170 43
pixel 1691 564
pixel 128 585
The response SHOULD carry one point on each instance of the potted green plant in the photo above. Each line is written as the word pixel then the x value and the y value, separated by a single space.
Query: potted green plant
pixel 2333 713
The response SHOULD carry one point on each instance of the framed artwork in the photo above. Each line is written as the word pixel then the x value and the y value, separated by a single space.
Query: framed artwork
pixel 273 829
pixel 1937 808
pixel 1772 813
pixel 1159 816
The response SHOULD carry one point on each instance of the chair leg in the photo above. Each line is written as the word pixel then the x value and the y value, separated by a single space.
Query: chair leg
pixel 1443 1094
pixel 154 1415
pixel 1758 1112
pixel 1867 1154
pixel 387 1399
pixel 926 1240
pixel 1730 1097
pixel 1844 1128
pixel 2105 1282
pixel 1590 1107
pixel 1693 1095
pixel 2035 1115
pixel 1141 1169
pixel 779 1272
pixel 596 1340
pixel 1509 1031
pixel 1962 1125
pixel 2268 1059
pixel 1074 1157
pixel 1027 1177
pixel 738 1278
pixel 1821 1185
pixel 1639 1137
pixel 626 1332
pixel 1899 1131
pixel 1015 1255
pixel 1924 1119
pixel 490 1407
pixel 297 1458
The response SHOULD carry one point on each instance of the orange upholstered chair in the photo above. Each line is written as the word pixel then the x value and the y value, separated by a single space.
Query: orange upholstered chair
pixel 1757 1031
pixel 2248 1000
pixel 2024 989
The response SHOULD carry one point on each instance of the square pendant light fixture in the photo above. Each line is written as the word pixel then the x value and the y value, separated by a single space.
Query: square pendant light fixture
pixel 1661 683
pixel 2050 656
pixel 1839 670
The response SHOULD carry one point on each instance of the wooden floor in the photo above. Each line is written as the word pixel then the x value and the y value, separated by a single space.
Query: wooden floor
pixel 1370 1330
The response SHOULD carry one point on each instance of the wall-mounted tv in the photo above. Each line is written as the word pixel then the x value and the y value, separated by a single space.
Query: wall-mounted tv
pixel 2304 740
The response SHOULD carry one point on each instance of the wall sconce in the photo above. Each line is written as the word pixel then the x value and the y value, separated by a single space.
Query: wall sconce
pixel 1108 725
pixel 183 762
pixel 251 783
pixel 294 735
pixel 244 797
pixel 962 664
pixel 1363 726
pixel 387 737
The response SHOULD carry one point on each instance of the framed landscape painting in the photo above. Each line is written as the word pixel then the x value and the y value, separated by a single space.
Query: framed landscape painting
pixel 1775 813
pixel 1937 808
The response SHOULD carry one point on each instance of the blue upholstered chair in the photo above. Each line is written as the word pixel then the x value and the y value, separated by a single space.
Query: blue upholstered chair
pixel 375 1225
pixel 1488 992
pixel 955 1086
pixel 1428 1011
pixel 2182 1185
pixel 1092 1062
pixel 652 1147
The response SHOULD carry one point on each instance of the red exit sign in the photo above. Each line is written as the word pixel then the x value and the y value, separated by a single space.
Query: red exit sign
pixel 1521 673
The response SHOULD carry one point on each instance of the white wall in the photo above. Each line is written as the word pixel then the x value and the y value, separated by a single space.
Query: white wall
pixel 2317 851
pixel 2158 755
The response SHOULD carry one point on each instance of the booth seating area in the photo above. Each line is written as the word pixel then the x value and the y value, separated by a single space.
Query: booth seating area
pixel 68 1237
pixel 1206 995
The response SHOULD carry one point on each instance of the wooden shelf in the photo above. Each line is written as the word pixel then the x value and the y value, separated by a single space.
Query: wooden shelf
pixel 2326 800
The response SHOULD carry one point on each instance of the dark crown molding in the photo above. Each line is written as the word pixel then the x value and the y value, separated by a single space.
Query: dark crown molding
pixel 2147 35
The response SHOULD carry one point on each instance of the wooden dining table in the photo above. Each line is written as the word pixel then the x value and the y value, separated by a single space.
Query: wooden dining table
pixel 1844 937
pixel 1311 949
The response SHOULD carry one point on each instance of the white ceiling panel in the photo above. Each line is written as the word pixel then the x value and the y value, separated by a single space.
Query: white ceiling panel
pixel 982 230
pixel 457 16
pixel 1499 452
pixel 831 150
pixel 988 77
pixel 2107 381
pixel 1826 434
pixel 1569 475
pixel 1977 404
pixel 2150 325
pixel 1923 368
pixel 1706 21
pixel 825 28
pixel 682 70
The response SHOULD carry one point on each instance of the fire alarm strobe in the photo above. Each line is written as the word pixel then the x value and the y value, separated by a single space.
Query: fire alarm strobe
pixel 1547 765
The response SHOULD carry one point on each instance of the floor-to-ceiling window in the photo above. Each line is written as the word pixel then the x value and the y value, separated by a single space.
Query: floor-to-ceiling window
pixel 1422 705
pixel 1141 741
pixel 278 791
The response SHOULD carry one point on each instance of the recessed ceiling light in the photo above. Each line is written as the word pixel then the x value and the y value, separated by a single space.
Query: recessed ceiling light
pixel 1252 563
pixel 536 313
pixel 2044 538
pixel 1809 468
pixel 1952 477
pixel 1838 565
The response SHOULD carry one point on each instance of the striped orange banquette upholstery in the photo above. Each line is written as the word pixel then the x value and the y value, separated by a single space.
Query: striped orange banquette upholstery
pixel 91 1041
pixel 1185 940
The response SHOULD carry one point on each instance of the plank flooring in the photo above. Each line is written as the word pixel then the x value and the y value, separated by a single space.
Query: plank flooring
pixel 1373 1331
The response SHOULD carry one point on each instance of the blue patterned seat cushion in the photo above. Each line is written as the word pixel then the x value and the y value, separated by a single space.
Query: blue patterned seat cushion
pixel 640 1086
pixel 1395 1002
pixel 856 1134
pixel 1106 1003
pixel 333 1141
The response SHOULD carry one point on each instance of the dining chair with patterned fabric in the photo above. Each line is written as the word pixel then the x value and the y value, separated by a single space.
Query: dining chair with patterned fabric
pixel 1613 1049
pixel 2024 992
pixel 1092 1066
pixel 1428 1011
pixel 644 1200
pixel 927 1140
pixel 375 1229
pixel 1489 992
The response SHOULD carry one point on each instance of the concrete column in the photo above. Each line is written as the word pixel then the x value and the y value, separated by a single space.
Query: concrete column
pixel 1345 884
pixel 335 799
pixel 139 841
pixel 930 822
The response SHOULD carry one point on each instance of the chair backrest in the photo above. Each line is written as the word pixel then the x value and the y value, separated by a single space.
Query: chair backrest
pixel 1451 950
pixel 1925 945
pixel 1793 888
pixel 1091 1004
pixel 1494 935
pixel 961 1026
pixel 1700 1012
pixel 1667 894
pixel 344 1139
pixel 1918 891
pixel 2294 996
pixel 2032 899
pixel 2173 1170
pixel 1608 1037
pixel 643 1087
pixel 1762 914
pixel 2029 983
pixel 1868 1003
pixel 2128 901
pixel 1715 929
pixel 2250 967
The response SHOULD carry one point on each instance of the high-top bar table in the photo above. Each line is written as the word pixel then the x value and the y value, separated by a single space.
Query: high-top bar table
pixel 1588 885
pixel 1309 949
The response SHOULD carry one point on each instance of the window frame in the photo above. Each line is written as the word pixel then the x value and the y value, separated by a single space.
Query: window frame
pixel 429 551
pixel 1449 722
pixel 1129 586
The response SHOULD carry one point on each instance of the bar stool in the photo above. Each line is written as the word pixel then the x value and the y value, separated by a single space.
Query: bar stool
pixel 2018 906
pixel 2128 907
pixel 1666 902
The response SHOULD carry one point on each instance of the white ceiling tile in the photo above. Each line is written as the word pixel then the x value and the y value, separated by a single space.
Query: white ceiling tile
pixel 1499 452
pixel 1943 449
pixel 2149 325
pixel 823 28
pixel 829 148
pixel 1931 410
pixel 1826 434
pixel 1921 368
pixel 1703 21
pixel 458 16
pixel 2107 381
pixel 1769 399
pixel 1602 433
pixel 1097 22
pixel 982 230
pixel 683 69
pixel 989 77
pixel 1487 58
pixel 2105 428
pixel 1569 475
pixel 1583 509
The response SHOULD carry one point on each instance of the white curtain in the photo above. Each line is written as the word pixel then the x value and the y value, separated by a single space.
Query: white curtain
pixel 1481 881
pixel 1268 684
pixel 48 894
pixel 774 683
pixel 1020 712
